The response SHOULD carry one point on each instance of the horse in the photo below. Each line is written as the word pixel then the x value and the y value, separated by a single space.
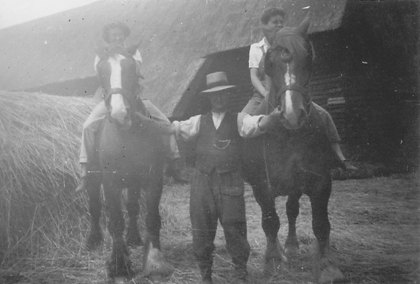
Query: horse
pixel 129 156
pixel 294 156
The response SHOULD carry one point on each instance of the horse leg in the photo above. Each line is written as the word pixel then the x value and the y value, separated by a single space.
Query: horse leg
pixel 292 208
pixel 133 236
pixel 95 237
pixel 274 253
pixel 324 270
pixel 154 261
pixel 119 265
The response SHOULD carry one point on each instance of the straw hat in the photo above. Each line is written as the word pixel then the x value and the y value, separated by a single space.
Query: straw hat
pixel 217 81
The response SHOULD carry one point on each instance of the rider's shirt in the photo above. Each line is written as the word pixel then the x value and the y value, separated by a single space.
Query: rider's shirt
pixel 137 57
pixel 256 52
pixel 256 60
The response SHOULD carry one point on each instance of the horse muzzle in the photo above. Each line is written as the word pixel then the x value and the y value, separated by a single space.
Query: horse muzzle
pixel 119 112
pixel 293 121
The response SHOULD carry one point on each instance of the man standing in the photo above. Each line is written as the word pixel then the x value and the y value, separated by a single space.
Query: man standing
pixel 217 188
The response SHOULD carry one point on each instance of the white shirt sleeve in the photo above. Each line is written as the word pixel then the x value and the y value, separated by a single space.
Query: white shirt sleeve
pixel 96 63
pixel 187 129
pixel 255 55
pixel 139 60
pixel 137 56
pixel 248 125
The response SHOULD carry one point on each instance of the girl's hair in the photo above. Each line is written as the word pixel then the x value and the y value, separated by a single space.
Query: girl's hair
pixel 271 12
pixel 116 25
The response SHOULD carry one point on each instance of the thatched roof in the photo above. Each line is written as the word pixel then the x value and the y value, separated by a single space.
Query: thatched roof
pixel 173 35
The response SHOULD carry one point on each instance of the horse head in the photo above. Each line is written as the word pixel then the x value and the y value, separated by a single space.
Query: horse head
pixel 289 64
pixel 118 77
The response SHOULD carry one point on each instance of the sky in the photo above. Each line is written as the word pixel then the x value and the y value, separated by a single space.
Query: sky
pixel 14 12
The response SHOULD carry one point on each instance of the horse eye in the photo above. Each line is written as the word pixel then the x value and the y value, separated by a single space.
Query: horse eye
pixel 284 51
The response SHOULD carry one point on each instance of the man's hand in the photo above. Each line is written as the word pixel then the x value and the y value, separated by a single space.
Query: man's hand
pixel 172 129
pixel 270 121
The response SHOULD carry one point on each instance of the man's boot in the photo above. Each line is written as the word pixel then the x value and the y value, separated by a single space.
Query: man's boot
pixel 173 170
pixel 83 178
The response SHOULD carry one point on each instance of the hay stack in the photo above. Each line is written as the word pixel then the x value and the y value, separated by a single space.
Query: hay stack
pixel 39 146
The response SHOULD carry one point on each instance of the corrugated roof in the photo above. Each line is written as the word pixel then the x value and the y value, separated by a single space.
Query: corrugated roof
pixel 172 35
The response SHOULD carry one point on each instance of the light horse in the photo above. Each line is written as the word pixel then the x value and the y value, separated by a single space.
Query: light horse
pixel 294 157
pixel 130 156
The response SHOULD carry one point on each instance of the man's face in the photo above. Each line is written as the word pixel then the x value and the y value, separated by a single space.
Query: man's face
pixel 219 101
pixel 116 37
pixel 274 24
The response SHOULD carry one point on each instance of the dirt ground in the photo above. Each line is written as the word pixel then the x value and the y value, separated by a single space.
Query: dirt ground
pixel 375 237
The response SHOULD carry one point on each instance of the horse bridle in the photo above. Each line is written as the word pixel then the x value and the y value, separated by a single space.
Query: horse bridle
pixel 304 91
pixel 125 93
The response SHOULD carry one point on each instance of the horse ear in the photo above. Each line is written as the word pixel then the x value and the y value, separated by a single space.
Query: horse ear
pixel 268 64
pixel 304 26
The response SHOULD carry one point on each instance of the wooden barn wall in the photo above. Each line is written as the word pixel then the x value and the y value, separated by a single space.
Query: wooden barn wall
pixel 379 51
pixel 328 81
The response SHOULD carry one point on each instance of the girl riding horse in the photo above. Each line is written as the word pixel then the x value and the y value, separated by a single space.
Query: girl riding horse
pixel 114 35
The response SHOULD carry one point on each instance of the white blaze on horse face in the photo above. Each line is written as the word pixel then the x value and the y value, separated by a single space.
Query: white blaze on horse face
pixel 290 113
pixel 115 78
pixel 289 78
pixel 118 107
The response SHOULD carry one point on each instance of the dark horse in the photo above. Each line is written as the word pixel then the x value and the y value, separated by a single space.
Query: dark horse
pixel 130 156
pixel 294 157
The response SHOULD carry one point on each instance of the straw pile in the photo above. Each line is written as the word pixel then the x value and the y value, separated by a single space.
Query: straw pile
pixel 39 146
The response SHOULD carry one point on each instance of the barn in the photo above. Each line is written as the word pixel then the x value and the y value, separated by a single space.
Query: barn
pixel 365 70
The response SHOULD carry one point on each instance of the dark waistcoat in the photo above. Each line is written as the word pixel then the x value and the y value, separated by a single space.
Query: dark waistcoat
pixel 218 149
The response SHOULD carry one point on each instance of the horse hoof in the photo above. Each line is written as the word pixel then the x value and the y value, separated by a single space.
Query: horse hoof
pixel 94 240
pixel 118 272
pixel 119 265
pixel 272 267
pixel 291 249
pixel 331 274
pixel 156 265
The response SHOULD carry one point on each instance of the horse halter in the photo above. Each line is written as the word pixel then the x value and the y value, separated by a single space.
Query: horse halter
pixel 304 91
pixel 111 71
pixel 307 102
pixel 107 97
